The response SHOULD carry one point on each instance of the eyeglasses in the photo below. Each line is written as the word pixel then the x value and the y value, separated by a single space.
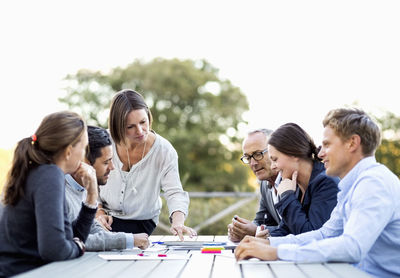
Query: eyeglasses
pixel 257 157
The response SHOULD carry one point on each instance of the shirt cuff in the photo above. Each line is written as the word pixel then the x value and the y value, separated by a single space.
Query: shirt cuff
pixel 286 193
pixel 129 241
pixel 276 241
pixel 287 252
pixel 91 206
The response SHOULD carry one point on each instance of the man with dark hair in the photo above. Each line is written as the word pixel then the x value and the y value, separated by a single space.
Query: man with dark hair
pixel 99 155
pixel 99 146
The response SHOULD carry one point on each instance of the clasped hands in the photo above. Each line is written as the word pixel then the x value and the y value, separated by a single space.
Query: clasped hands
pixel 250 247
pixel 240 227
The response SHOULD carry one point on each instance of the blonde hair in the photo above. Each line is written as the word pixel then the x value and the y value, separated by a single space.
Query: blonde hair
pixel 349 121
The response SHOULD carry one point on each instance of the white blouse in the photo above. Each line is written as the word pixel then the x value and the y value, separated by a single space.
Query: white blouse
pixel 135 195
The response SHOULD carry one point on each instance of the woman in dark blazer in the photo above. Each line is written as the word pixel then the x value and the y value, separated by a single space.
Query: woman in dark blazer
pixel 307 195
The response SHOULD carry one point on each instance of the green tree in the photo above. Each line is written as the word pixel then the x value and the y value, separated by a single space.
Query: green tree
pixel 388 152
pixel 191 107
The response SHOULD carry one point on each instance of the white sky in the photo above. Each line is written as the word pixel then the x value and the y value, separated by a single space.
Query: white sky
pixel 295 60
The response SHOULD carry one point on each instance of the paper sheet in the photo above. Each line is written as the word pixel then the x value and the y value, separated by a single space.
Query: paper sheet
pixel 142 258
pixel 196 245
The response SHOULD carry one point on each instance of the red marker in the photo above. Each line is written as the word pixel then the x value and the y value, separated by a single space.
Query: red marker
pixel 162 255
pixel 211 251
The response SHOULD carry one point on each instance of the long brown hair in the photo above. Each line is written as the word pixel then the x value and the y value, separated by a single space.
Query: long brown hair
pixel 56 132
pixel 291 139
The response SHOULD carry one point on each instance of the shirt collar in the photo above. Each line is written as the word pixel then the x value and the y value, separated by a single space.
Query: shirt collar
pixel 348 180
pixel 72 182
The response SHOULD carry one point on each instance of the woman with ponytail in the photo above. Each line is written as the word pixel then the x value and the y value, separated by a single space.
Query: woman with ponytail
pixel 34 229
pixel 307 195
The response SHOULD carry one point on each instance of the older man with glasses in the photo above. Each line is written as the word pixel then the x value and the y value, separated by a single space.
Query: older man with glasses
pixel 255 154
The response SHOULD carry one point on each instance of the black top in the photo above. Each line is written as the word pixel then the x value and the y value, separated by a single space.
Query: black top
pixel 36 230
pixel 319 200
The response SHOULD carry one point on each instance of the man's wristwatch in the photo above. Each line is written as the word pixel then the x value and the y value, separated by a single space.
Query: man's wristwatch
pixel 81 245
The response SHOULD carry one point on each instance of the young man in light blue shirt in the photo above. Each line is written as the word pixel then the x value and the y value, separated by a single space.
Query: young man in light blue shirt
pixel 364 227
pixel 99 155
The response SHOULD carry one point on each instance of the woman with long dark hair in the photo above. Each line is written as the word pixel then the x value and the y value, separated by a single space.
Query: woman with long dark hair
pixel 307 194
pixel 34 229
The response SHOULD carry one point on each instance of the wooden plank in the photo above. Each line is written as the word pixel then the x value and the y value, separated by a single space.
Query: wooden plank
pixel 317 270
pixel 225 266
pixel 138 269
pixel 110 269
pixel 178 252
pixel 168 268
pixel 286 270
pixel 83 269
pixel 346 270
pixel 199 265
pixel 257 270
pixel 51 269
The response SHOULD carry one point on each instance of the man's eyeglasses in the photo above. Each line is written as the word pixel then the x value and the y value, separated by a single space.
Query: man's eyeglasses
pixel 257 157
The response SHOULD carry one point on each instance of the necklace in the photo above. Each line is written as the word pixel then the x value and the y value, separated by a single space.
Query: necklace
pixel 127 154
pixel 124 176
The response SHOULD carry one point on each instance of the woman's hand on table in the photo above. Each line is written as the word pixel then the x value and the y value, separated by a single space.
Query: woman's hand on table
pixel 178 228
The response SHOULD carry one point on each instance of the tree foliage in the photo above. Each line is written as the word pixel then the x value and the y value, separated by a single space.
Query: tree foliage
pixel 191 107
pixel 388 152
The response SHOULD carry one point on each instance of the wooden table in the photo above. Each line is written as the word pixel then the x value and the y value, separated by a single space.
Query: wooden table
pixel 197 265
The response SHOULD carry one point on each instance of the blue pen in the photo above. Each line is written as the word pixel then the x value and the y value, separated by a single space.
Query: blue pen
pixel 214 243
pixel 158 242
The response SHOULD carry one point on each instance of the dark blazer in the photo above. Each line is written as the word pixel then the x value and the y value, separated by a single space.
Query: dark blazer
pixel 319 200
pixel 267 213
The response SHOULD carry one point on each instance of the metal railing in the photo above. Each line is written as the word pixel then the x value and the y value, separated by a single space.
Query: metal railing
pixel 247 198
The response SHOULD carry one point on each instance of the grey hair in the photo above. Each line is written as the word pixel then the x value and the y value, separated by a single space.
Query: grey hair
pixel 266 131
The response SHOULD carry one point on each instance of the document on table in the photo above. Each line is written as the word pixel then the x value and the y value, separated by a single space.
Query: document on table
pixel 145 257
pixel 193 245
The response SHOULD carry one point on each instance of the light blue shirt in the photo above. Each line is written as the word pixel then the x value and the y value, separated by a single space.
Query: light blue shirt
pixel 76 186
pixel 364 227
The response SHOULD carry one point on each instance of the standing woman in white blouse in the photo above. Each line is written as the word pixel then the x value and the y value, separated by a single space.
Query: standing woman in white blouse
pixel 145 163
